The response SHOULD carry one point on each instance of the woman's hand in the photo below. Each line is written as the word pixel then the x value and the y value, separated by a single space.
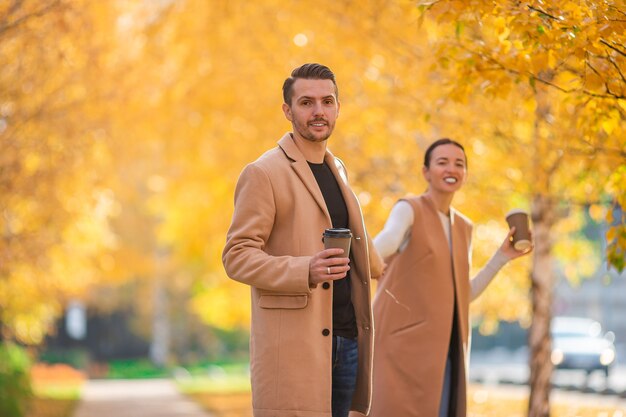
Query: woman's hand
pixel 507 246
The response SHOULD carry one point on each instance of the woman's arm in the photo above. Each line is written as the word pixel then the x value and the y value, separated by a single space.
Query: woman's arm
pixel 504 254
pixel 484 277
pixel 400 220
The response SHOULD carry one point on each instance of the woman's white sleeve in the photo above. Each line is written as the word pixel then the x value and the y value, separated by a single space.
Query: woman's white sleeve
pixel 396 229
pixel 486 275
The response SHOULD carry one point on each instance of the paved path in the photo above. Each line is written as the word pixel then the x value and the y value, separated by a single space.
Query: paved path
pixel 135 398
pixel 557 396
pixel 160 398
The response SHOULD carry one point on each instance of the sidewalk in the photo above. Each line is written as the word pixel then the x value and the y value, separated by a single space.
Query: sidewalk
pixel 557 396
pixel 135 398
pixel 160 398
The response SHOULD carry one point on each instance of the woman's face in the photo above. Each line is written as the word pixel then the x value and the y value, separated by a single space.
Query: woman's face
pixel 448 169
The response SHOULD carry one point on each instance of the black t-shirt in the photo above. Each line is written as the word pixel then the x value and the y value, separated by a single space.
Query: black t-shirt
pixel 344 320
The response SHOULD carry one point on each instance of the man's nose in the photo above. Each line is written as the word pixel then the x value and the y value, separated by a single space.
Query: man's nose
pixel 318 108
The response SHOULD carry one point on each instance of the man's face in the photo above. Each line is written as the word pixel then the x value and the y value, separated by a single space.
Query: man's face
pixel 314 109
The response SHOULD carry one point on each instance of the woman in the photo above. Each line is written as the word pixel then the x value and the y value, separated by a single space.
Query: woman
pixel 422 302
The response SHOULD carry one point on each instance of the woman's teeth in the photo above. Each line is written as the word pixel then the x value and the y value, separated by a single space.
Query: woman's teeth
pixel 450 180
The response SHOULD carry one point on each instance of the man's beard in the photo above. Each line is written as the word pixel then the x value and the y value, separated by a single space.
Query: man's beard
pixel 310 136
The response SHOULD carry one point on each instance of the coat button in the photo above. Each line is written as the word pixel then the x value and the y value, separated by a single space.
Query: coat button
pixel 326 285
pixel 325 332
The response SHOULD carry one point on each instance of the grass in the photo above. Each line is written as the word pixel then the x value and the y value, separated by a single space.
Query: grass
pixel 225 404
pixel 135 369
pixel 224 379
pixel 223 390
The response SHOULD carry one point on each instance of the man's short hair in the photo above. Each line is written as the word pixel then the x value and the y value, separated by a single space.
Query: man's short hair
pixel 308 72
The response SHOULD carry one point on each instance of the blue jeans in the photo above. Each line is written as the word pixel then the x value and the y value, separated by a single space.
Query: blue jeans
pixel 444 406
pixel 345 364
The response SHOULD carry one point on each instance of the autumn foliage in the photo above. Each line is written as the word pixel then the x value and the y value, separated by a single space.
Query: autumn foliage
pixel 58 373
pixel 124 126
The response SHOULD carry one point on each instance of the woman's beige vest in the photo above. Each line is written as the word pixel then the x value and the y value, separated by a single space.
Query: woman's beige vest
pixel 413 315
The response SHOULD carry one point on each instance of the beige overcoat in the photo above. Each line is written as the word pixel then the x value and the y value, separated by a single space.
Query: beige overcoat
pixel 413 311
pixel 277 226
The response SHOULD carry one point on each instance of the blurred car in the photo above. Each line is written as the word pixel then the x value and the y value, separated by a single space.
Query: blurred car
pixel 578 343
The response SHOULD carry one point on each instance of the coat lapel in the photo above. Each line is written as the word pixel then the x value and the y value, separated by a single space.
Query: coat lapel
pixel 303 171
pixel 461 246
pixel 354 209
pixel 458 245
pixel 440 241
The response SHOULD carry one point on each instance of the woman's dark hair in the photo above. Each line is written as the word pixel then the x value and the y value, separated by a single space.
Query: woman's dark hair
pixel 439 142
pixel 307 72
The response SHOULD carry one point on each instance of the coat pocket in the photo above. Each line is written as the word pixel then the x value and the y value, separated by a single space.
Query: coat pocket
pixel 283 301
pixel 407 328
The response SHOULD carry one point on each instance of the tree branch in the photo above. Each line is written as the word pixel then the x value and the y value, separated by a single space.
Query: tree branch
pixel 618 10
pixel 617 68
pixel 427 3
pixel 609 95
pixel 596 150
pixel 602 41
pixel 38 13
pixel 546 14
pixel 606 84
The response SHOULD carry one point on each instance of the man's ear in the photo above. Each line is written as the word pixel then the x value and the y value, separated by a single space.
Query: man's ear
pixel 287 111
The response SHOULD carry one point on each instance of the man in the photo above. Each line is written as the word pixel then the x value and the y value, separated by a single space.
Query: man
pixel 311 335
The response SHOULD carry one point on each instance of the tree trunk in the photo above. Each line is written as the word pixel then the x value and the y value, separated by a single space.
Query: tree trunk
pixel 542 293
pixel 161 334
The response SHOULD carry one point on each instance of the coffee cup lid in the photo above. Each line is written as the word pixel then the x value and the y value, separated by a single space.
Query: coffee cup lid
pixel 516 211
pixel 338 232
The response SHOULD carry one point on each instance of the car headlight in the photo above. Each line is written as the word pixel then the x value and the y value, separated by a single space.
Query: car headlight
pixel 607 357
pixel 557 356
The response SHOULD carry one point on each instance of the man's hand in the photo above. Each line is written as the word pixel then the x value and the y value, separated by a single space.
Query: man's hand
pixel 324 268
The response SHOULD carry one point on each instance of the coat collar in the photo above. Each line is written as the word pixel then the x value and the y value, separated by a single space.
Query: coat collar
pixel 302 169
pixel 454 227
pixel 288 145
pixel 431 204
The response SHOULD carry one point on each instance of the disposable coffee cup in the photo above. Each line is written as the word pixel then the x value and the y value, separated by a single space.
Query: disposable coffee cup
pixel 521 237
pixel 338 238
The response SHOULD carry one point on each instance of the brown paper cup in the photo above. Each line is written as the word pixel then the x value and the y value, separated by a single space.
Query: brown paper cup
pixel 338 238
pixel 521 237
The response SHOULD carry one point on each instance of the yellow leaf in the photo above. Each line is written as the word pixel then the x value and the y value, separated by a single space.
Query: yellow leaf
pixel 609 216
pixel 597 212
pixel 611 234
pixel 610 123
